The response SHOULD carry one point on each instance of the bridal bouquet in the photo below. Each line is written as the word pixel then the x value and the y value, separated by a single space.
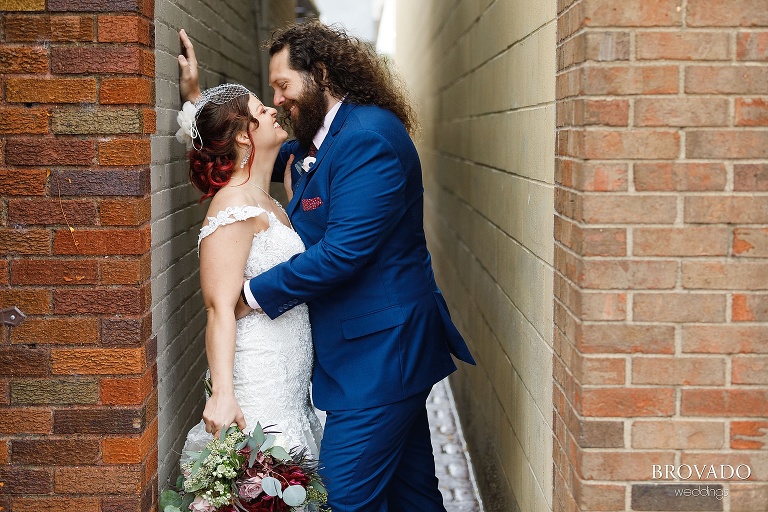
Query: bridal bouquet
pixel 247 473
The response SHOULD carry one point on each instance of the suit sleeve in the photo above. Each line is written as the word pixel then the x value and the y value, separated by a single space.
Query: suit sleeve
pixel 367 199
pixel 288 148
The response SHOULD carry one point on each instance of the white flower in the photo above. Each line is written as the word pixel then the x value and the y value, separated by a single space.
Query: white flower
pixel 186 119
pixel 307 164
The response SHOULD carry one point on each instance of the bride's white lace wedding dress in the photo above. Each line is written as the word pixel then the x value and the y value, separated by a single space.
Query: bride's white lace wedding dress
pixel 273 358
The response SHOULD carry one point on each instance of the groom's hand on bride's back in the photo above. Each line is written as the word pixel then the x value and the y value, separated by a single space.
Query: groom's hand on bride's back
pixel 189 85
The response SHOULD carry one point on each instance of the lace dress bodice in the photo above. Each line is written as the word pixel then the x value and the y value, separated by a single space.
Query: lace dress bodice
pixel 273 358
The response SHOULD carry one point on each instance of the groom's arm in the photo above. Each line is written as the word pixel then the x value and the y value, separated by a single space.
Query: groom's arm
pixel 367 202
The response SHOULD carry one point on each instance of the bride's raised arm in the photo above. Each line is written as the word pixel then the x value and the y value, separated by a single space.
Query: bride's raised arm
pixel 223 255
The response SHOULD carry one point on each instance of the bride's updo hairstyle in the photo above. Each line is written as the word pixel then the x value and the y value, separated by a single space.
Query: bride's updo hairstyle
pixel 217 125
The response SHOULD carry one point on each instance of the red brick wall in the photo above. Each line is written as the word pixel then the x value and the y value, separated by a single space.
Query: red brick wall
pixel 661 228
pixel 78 380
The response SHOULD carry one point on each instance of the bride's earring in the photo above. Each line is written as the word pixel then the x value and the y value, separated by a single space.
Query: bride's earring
pixel 245 158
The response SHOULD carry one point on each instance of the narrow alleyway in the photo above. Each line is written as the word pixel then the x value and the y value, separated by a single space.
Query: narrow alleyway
pixel 457 481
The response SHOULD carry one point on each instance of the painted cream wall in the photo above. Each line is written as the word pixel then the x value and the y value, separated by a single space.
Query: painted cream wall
pixel 483 75
pixel 227 37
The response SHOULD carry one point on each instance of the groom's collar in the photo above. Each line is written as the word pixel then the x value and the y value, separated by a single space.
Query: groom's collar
pixel 323 131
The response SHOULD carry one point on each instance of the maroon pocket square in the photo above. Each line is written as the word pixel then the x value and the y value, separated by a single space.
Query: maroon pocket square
pixel 311 204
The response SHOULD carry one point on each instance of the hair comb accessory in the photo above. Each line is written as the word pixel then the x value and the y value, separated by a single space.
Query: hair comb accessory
pixel 187 116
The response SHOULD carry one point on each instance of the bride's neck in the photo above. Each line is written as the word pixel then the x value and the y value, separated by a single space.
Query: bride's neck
pixel 260 173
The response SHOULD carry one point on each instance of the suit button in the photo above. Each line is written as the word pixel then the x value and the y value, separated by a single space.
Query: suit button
pixel 280 309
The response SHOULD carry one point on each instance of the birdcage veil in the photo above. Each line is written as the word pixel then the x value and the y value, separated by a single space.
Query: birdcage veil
pixel 187 117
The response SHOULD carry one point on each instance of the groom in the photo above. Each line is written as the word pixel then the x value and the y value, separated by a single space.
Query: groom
pixel 381 328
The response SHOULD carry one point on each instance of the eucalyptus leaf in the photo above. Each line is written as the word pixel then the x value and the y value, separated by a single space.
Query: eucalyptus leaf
pixel 317 485
pixel 171 508
pixel 199 462
pixel 268 442
pixel 258 434
pixel 187 501
pixel 279 453
pixel 169 498
pixel 294 495
pixel 242 444
pixel 252 458
pixel 271 486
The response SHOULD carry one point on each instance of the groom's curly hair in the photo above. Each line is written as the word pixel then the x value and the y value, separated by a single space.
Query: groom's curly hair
pixel 353 67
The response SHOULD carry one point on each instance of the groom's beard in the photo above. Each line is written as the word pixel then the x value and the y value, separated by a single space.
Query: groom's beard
pixel 311 113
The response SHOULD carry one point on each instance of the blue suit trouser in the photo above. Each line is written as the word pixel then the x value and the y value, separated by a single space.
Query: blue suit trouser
pixel 380 459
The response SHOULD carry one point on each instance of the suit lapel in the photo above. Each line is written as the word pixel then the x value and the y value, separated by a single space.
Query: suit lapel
pixel 338 122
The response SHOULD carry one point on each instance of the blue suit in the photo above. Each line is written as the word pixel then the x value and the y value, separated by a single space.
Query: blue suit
pixel 381 328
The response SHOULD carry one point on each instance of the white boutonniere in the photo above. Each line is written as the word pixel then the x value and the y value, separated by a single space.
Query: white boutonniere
pixel 186 119
pixel 307 163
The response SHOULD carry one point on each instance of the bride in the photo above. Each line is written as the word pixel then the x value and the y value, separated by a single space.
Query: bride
pixel 259 368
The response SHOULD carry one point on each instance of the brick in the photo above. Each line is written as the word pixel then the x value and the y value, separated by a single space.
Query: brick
pixel 615 465
pixel 124 29
pixel 633 13
pixel 682 112
pixel 757 462
pixel 628 209
pixel 96 59
pixel 25 420
pixel 94 5
pixel 622 274
pixel 676 371
pixel 621 80
pixel 626 339
pixel 107 182
pixel 103 361
pixel 49 212
pixel 749 435
pixel 740 209
pixel 50 90
pixel 125 212
pixel 23 59
pixel 58 452
pixel 611 145
pixel 725 339
pixel 722 402
pixel 674 497
pixel 102 241
pixel 94 479
pixel 726 80
pixel 20 480
pixel 25 241
pixel 732 13
pixel 23 182
pixel 607 46
pixel 127 391
pixel 688 241
pixel 24 361
pixel 125 271
pixel 98 421
pixel 124 152
pixel 668 176
pixel 725 276
pixel 750 242
pixel 748 497
pixel 752 177
pixel 750 307
pixel 35 504
pixel 62 331
pixel 678 307
pixel 22 5
pixel 602 112
pixel 31 302
pixel 129 450
pixel 54 391
pixel 591 241
pixel 119 91
pixel 751 112
pixel 600 370
pixel 603 306
pixel 4 273
pixel 49 151
pixel 49 28
pixel 82 122
pixel 600 434
pixel 19 120
pixel 125 332
pixel 752 46
pixel 54 272
pixel 727 144
pixel 149 121
pixel 749 370
pixel 594 496
pixel 627 402
pixel 597 177
pixel 4 452
pixel 678 435
pixel 683 46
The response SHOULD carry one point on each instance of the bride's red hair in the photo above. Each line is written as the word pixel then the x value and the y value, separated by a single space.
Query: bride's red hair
pixel 210 168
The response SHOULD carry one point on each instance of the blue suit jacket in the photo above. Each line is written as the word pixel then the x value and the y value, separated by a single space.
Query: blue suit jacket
pixel 380 325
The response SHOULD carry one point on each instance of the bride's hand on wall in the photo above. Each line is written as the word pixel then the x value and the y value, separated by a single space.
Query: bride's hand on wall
pixel 221 411
pixel 287 180
pixel 189 85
